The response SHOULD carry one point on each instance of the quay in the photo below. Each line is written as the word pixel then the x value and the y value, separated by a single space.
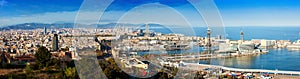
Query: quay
pixel 244 70
pixel 208 56
pixel 97 35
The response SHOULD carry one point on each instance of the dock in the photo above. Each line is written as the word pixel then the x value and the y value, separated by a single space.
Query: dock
pixel 247 70
pixel 207 56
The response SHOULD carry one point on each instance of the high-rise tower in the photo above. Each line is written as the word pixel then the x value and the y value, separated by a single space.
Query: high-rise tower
pixel 45 30
pixel 208 36
pixel 147 33
pixel 55 42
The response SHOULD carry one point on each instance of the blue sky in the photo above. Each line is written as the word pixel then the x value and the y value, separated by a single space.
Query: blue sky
pixel 233 12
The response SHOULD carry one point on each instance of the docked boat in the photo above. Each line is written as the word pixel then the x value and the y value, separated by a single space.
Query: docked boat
pixel 264 51
pixel 178 47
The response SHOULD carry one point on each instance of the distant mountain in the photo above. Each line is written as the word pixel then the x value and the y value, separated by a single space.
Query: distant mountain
pixel 30 26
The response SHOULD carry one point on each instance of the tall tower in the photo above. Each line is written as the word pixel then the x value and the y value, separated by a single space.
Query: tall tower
pixel 55 42
pixel 45 30
pixel 208 36
pixel 242 36
pixel 147 33
pixel 219 37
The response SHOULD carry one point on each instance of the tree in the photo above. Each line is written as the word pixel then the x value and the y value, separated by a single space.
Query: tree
pixel 71 73
pixel 4 59
pixel 42 57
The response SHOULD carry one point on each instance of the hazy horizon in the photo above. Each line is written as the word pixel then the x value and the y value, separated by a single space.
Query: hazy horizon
pixel 157 23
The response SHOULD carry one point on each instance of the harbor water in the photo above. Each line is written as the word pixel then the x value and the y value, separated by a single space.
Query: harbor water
pixel 281 59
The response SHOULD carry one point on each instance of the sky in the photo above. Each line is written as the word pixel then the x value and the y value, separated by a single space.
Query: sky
pixel 169 12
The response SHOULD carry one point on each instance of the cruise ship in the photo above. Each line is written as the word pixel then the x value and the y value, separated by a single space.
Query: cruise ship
pixel 294 46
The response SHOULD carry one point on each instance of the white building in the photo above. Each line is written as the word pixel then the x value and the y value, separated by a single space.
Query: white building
pixel 264 42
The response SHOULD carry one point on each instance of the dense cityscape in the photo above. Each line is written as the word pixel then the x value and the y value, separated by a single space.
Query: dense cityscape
pixel 20 48
pixel 149 39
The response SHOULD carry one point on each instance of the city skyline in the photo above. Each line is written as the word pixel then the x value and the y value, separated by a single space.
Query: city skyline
pixel 233 12
pixel 151 39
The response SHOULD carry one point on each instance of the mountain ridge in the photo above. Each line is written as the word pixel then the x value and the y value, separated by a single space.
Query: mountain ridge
pixel 30 26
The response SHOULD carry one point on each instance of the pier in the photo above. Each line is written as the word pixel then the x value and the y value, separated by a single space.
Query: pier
pixel 208 56
pixel 245 70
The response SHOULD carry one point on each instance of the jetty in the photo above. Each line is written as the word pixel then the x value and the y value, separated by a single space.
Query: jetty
pixel 244 70
pixel 208 56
